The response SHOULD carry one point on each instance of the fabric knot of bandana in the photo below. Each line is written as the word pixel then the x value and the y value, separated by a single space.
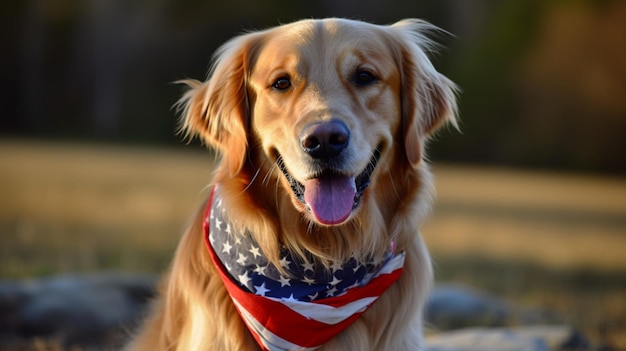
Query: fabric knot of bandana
pixel 301 310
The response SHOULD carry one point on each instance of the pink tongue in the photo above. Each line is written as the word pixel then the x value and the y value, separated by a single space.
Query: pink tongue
pixel 330 198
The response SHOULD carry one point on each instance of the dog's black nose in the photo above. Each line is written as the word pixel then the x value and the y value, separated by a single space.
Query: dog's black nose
pixel 324 140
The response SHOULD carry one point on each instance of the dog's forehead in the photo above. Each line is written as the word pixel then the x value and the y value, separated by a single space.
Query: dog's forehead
pixel 324 41
pixel 327 34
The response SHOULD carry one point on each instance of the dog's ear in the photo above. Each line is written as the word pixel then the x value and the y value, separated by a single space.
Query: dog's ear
pixel 217 110
pixel 428 97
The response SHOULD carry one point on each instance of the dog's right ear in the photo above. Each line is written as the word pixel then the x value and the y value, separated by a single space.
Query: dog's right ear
pixel 217 110
pixel 428 97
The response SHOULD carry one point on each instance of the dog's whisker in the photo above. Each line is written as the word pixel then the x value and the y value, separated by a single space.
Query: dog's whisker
pixel 258 170
pixel 266 182
pixel 276 188
pixel 310 226
pixel 394 187
pixel 266 179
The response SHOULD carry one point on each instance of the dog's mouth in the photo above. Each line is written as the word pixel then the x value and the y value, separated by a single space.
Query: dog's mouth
pixel 331 196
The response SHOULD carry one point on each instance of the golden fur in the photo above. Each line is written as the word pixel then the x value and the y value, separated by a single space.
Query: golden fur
pixel 239 112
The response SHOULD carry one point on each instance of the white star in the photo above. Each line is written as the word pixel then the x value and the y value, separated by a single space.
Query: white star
pixel 212 240
pixel 331 292
pixel 335 281
pixel 255 251
pixel 308 280
pixel 313 297
pixel 284 262
pixel 219 203
pixel 228 228
pixel 218 224
pixel 260 270
pixel 237 240
pixel 226 248
pixel 244 279
pixel 242 259
pixel 261 290
pixel 336 266
pixel 307 266
pixel 290 298
pixel 284 281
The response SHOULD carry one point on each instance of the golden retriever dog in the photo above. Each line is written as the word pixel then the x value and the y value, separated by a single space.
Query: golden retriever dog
pixel 310 236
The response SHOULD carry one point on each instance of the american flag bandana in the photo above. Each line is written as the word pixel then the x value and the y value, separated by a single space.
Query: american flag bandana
pixel 301 311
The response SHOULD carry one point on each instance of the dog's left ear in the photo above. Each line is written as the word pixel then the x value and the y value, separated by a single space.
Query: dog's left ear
pixel 217 110
pixel 428 97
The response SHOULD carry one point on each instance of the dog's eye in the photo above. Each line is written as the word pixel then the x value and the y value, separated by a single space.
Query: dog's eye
pixel 363 78
pixel 282 84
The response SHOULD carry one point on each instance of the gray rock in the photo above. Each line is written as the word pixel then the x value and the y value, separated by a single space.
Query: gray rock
pixel 539 338
pixel 561 338
pixel 454 306
pixel 76 309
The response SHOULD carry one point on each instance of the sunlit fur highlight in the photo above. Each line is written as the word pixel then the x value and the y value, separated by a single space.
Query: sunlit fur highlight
pixel 193 310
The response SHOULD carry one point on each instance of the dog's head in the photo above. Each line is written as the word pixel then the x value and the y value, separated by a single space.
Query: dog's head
pixel 326 107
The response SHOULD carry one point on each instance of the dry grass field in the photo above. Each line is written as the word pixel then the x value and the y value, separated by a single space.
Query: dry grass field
pixel 540 240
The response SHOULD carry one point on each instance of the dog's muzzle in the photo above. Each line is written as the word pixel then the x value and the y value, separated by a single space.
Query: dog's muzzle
pixel 330 196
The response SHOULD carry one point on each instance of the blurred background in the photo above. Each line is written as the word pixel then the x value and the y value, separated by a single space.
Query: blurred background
pixel 543 81
pixel 532 190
